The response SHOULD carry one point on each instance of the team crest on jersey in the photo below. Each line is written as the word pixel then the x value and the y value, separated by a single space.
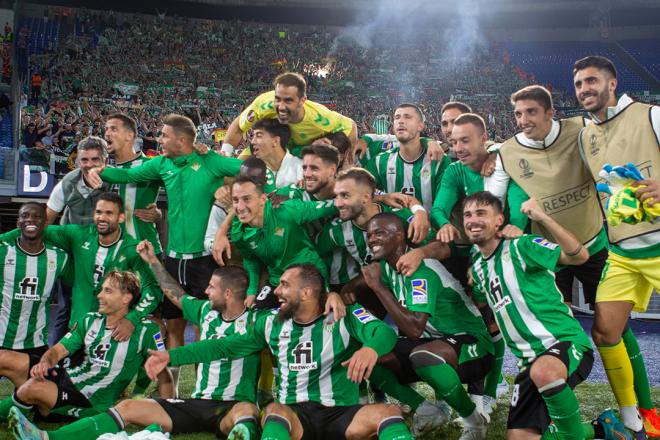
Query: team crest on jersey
pixel 240 325
pixel 425 172
pixel 544 243
pixel 363 315
pixel 251 116
pixel 210 316
pixel 52 265
pixel 303 357
pixel 158 339
pixel 196 166
pixel 279 231
pixel 419 291
pixel 594 146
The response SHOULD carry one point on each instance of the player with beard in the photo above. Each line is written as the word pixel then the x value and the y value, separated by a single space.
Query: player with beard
pixel 139 199
pixel 96 250
pixel 107 367
pixel 623 131
pixel 288 104
pixel 28 270
pixel 442 337
pixel 320 364
pixel 516 278
pixel 448 114
pixel 409 169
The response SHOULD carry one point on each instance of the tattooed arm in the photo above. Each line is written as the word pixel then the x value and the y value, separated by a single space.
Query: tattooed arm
pixel 168 285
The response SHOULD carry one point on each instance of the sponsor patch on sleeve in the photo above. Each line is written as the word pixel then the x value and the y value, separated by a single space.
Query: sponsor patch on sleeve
pixel 419 291
pixel 160 344
pixel 363 315
pixel 544 243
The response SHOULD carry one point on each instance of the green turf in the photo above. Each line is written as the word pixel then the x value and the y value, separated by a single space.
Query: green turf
pixel 593 399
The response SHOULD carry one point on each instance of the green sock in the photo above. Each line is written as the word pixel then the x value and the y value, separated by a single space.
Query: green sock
pixel 552 434
pixel 395 429
pixel 276 428
pixel 388 382
pixel 251 424
pixel 494 376
pixel 89 428
pixel 642 388
pixel 8 402
pixel 444 380
pixel 564 412
pixel 142 382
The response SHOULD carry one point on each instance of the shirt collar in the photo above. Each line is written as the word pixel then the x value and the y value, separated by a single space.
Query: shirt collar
pixel 623 102
pixel 548 140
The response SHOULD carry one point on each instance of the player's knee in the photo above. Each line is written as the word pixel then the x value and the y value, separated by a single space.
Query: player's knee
pixel 422 357
pixel 125 408
pixel 276 409
pixel 545 372
pixel 30 390
pixel 242 409
pixel 602 335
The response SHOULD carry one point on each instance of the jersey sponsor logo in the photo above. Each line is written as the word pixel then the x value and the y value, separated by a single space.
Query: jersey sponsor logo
pixel 99 353
pixel 544 243
pixel 497 298
pixel 28 292
pixel 99 273
pixel 526 170
pixel 408 190
pixel 302 357
pixel 363 315
pixel 419 291
pixel 158 339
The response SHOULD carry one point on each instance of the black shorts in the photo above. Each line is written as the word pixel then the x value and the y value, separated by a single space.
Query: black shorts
pixel 195 415
pixel 470 371
pixel 193 275
pixel 324 422
pixel 527 409
pixel 67 393
pixel 588 274
pixel 266 298
pixel 34 354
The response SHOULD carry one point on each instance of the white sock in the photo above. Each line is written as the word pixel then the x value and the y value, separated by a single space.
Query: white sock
pixel 631 418
pixel 175 380
pixel 475 420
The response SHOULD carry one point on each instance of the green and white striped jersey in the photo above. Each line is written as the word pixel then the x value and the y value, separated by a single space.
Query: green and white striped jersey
pixel 139 196
pixel 349 237
pixel 108 366
pixel 518 282
pixel 434 291
pixel 223 379
pixel 420 178
pixel 27 282
pixel 307 357
pixel 377 144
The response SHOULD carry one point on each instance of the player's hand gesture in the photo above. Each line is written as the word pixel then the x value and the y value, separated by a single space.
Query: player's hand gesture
pixel 200 148
pixel 42 370
pixel 435 151
pixel 533 210
pixel 372 274
pixel 93 177
pixel 150 214
pixel 123 330
pixel 418 229
pixel 335 305
pixel 221 246
pixel 222 196
pixel 447 233
pixel 361 364
pixel 156 363
pixel 649 195
pixel 146 251
pixel 409 262
pixel 509 232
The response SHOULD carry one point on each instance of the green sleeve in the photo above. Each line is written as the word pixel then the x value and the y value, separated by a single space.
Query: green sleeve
pixel 223 166
pixel 442 168
pixel 149 171
pixel 151 337
pixel 422 289
pixel 539 252
pixel 373 169
pixel 67 273
pixel 192 308
pixel 151 294
pixel 234 346
pixel 75 339
pixel 369 330
pixel 325 244
pixel 252 266
pixel 446 198
pixel 10 236
pixel 304 212
pixel 515 197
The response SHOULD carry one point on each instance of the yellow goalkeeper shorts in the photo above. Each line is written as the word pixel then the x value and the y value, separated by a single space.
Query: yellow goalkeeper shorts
pixel 629 279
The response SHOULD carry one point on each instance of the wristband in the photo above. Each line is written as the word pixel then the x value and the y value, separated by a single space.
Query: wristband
pixel 227 148
pixel 416 208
